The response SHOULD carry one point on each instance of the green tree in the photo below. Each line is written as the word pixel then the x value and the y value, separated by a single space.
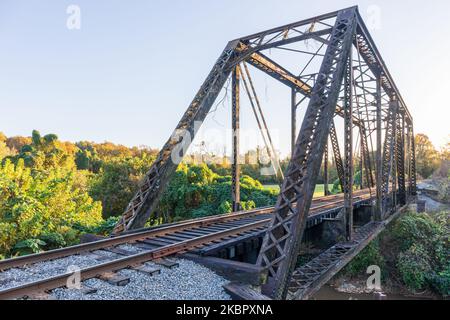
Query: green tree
pixel 427 157
pixel 117 181
pixel 37 206
pixel 4 149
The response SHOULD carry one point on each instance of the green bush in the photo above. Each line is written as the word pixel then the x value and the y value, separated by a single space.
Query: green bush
pixel 414 267
pixel 28 246
pixel 371 255
pixel 53 240
pixel 441 281
pixel 423 250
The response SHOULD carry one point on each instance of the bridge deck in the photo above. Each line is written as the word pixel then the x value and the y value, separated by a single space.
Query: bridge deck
pixel 322 208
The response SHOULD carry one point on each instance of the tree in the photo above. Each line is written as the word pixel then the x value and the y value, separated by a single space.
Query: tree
pixel 16 143
pixel 427 157
pixel 42 209
pixel 4 150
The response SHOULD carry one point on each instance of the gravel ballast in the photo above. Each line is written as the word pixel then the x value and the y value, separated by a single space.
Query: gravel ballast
pixel 17 276
pixel 188 281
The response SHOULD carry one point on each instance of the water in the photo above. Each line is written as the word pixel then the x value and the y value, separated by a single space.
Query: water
pixel 329 293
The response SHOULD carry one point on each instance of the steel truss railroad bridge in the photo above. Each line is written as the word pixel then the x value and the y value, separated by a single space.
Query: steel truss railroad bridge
pixel 351 82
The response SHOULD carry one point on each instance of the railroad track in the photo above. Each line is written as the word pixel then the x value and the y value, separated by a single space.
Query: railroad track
pixel 153 244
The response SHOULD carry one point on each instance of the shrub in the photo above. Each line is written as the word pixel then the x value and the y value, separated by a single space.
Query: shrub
pixel 414 267
pixel 371 255
pixel 28 246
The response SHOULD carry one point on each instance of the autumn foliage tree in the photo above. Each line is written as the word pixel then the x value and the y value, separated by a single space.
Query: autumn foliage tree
pixel 427 157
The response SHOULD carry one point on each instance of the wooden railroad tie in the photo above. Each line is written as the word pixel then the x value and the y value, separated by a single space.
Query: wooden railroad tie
pixel 114 279
pixel 167 263
pixel 147 270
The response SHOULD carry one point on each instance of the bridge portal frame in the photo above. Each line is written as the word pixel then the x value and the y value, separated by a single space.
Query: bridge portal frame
pixel 282 240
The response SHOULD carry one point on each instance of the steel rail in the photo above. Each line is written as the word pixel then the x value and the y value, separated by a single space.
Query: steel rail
pixel 123 263
pixel 136 259
pixel 153 232
pixel 117 240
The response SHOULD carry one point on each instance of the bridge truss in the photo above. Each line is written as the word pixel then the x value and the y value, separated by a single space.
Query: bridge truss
pixel 352 83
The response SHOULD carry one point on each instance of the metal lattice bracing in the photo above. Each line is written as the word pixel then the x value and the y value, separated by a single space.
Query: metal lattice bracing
pixel 348 148
pixel 235 117
pixel 400 149
pixel 389 150
pixel 146 199
pixel 280 246
pixel 352 83
pixel 367 162
pixel 337 154
pixel 144 203
pixel 412 163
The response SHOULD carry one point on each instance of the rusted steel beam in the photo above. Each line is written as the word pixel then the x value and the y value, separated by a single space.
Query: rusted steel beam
pixel 281 243
pixel 293 119
pixel 366 159
pixel 400 138
pixel 259 36
pixel 325 171
pixel 235 115
pixel 246 48
pixel 348 148
pixel 146 200
pixel 276 71
pixel 379 163
pixel 369 51
pixel 388 159
pixel 337 155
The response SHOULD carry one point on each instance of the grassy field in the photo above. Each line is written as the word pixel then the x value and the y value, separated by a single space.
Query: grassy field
pixel 319 192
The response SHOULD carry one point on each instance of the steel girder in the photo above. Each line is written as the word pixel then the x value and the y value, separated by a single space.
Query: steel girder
pixel 273 69
pixel 325 171
pixel 281 243
pixel 412 162
pixel 337 154
pixel 370 54
pixel 235 121
pixel 348 148
pixel 378 157
pixel 365 154
pixel 389 151
pixel 282 240
pixel 145 201
pixel 400 157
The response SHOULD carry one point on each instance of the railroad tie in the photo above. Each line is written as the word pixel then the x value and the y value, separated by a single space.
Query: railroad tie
pixel 99 257
pixel 147 270
pixel 167 263
pixel 39 295
pixel 87 290
pixel 119 251
pixel 115 279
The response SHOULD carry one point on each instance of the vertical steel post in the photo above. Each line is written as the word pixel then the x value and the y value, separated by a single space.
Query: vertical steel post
pixel 413 163
pixel 379 166
pixel 293 119
pixel 408 160
pixel 361 167
pixel 235 169
pixel 348 148
pixel 325 171
pixel 394 158
pixel 401 159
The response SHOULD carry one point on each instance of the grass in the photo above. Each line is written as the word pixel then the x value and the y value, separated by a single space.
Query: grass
pixel 318 192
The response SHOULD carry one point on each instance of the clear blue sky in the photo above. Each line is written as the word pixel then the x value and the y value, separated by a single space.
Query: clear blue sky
pixel 129 73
